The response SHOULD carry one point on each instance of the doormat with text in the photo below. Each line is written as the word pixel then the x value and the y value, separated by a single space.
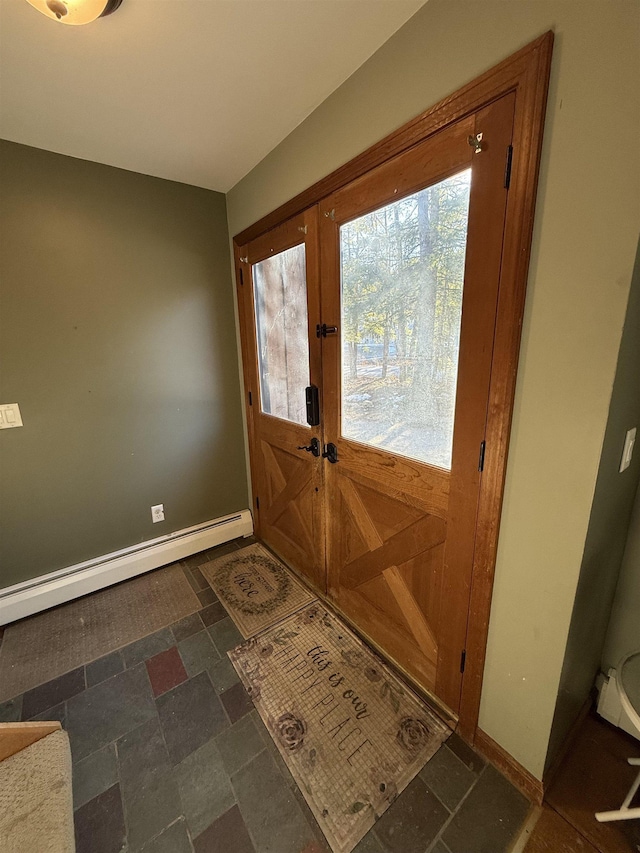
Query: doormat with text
pixel 255 588
pixel 351 733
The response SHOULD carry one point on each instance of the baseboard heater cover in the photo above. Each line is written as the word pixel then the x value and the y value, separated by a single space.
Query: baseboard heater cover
pixel 32 596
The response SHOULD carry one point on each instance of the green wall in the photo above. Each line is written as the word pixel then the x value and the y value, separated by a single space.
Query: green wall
pixel 606 540
pixel 623 635
pixel 585 239
pixel 117 340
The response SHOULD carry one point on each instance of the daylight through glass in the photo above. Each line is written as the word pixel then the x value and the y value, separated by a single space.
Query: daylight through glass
pixel 402 274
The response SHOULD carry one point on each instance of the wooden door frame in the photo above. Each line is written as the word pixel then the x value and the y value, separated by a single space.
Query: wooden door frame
pixel 526 73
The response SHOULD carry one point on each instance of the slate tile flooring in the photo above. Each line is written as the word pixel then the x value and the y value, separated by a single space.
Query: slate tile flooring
pixel 170 756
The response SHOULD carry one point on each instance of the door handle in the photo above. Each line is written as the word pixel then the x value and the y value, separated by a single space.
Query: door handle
pixel 313 447
pixel 330 452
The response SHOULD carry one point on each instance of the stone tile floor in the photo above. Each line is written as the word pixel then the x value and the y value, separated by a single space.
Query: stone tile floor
pixel 171 757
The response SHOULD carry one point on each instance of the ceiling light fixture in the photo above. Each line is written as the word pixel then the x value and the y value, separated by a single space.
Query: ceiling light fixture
pixel 75 11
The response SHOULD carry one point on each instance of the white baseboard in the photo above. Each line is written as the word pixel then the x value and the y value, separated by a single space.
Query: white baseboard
pixel 32 596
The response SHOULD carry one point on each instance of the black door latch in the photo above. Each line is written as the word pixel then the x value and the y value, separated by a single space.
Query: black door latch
pixel 324 330
pixel 313 405
pixel 314 447
pixel 330 452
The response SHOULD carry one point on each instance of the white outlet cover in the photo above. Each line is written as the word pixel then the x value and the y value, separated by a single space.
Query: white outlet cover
pixel 157 513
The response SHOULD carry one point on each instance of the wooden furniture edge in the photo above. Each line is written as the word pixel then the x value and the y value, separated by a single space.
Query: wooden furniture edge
pixel 532 788
pixel 449 109
pixel 17 736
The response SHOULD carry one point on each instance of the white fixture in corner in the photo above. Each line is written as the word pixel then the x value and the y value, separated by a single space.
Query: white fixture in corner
pixel 619 703
pixel 619 699
pixel 10 416
pixel 24 599
pixel 627 450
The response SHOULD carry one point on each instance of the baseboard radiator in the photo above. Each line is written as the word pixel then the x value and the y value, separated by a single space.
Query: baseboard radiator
pixel 32 596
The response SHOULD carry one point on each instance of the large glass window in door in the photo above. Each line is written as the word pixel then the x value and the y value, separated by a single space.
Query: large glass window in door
pixel 280 294
pixel 402 274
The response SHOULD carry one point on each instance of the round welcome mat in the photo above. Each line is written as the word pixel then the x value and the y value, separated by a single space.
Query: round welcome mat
pixel 351 733
pixel 255 588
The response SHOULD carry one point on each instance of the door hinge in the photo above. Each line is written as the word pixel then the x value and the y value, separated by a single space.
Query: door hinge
pixel 250 399
pixel 483 445
pixel 241 277
pixel 507 167
pixel 257 502
pixel 463 660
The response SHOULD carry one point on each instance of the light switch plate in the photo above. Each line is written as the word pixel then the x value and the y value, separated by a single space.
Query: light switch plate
pixel 627 450
pixel 10 416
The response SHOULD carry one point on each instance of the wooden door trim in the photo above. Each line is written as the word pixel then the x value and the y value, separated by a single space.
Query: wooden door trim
pixel 243 294
pixel 520 71
pixel 527 74
pixel 285 236
pixel 531 101
pixel 419 166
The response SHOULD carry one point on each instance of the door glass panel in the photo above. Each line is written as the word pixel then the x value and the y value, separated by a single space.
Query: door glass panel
pixel 280 293
pixel 402 272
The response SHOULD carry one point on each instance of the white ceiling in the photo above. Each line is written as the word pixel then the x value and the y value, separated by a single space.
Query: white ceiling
pixel 197 91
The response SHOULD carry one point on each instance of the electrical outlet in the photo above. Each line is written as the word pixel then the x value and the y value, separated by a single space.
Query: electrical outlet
pixel 157 513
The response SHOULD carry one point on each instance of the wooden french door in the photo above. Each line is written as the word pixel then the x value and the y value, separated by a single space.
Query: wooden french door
pixel 410 258
pixel 279 300
pixel 398 273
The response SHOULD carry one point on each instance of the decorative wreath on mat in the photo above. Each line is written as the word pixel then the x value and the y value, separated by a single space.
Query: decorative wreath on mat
pixel 277 574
